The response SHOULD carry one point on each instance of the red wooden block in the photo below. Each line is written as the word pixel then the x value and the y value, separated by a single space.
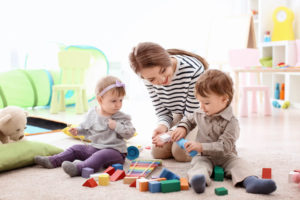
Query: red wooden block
pixel 266 173
pixel 118 175
pixel 133 184
pixel 110 170
pixel 90 183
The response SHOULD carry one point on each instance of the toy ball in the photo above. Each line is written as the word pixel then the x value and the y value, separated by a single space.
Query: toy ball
pixel 286 104
pixel 132 152
pixel 276 104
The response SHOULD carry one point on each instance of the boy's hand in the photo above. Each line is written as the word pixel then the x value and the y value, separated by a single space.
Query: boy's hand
pixel 159 130
pixel 73 131
pixel 178 133
pixel 193 146
pixel 112 124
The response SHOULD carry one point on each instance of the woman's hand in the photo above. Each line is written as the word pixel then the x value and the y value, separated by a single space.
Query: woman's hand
pixel 73 131
pixel 159 130
pixel 155 137
pixel 112 124
pixel 193 146
pixel 178 133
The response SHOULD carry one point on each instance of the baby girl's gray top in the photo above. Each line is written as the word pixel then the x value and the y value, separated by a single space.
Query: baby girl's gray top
pixel 95 128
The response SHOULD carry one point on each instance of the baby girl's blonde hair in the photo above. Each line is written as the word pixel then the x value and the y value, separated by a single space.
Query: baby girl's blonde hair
pixel 108 81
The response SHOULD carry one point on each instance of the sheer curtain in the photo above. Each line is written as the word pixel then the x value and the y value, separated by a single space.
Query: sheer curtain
pixel 32 31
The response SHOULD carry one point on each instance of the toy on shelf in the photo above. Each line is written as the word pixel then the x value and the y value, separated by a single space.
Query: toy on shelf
pixel 283 19
pixel 276 104
pixel 281 95
pixel 277 91
pixel 267 36
pixel 286 105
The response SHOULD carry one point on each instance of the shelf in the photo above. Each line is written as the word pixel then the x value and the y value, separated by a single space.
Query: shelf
pixel 276 43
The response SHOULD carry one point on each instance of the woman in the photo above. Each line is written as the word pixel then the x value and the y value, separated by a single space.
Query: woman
pixel 170 76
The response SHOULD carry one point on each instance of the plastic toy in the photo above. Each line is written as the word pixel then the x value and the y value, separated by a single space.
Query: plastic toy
pixel 283 19
pixel 276 104
pixel 181 143
pixel 286 105
pixel 282 92
pixel 132 153
pixel 277 91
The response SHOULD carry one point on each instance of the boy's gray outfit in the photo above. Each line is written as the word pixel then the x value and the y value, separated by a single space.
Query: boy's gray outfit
pixel 107 146
pixel 218 135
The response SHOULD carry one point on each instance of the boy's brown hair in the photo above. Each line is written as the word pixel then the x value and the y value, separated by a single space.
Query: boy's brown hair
pixel 148 54
pixel 107 81
pixel 214 81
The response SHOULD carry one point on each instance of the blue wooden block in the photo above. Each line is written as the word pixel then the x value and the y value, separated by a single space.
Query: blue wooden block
pixel 117 166
pixel 165 173
pixel 154 186
pixel 86 172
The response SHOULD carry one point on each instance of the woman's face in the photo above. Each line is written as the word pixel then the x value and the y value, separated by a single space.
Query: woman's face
pixel 158 75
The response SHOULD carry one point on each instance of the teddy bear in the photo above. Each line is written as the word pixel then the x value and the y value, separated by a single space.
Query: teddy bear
pixel 13 122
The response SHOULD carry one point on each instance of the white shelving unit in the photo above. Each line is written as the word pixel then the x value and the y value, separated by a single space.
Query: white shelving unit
pixel 280 51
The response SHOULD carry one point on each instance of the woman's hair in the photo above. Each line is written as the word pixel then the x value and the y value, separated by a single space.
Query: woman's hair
pixel 107 81
pixel 148 54
pixel 214 81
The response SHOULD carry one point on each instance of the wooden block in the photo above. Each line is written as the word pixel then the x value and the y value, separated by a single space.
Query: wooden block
pixel 86 172
pixel 118 166
pixel 184 184
pixel 118 175
pixel 143 185
pixel 129 180
pixel 110 170
pixel 266 173
pixel 291 174
pixel 170 185
pixel 138 182
pixel 154 186
pixel 133 184
pixel 104 179
pixel 221 191
pixel 218 173
pixel 90 183
pixel 168 174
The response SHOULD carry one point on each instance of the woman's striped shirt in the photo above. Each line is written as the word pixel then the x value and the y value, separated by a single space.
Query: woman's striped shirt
pixel 177 97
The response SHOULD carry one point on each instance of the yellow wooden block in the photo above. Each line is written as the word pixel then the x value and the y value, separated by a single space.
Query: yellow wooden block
pixel 104 179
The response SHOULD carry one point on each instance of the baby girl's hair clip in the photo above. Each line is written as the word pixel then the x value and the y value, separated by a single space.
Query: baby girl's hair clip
pixel 117 84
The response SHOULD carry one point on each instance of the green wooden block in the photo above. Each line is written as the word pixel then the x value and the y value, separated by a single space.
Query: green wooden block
pixel 221 191
pixel 170 186
pixel 218 173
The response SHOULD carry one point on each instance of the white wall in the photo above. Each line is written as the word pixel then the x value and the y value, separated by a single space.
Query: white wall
pixel 36 28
